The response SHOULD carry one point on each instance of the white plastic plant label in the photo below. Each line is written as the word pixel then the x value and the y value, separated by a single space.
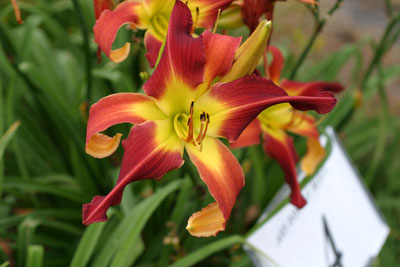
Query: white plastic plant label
pixel 339 227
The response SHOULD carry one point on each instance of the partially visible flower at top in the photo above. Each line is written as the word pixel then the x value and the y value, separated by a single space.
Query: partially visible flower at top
pixel 275 121
pixel 249 12
pixel 184 109
pixel 17 12
pixel 153 16
pixel 99 6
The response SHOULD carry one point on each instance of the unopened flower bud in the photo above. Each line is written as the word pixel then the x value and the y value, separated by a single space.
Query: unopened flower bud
pixel 249 53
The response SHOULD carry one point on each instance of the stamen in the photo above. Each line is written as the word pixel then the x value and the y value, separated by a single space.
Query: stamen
pixel 196 20
pixel 202 135
pixel 204 121
pixel 216 21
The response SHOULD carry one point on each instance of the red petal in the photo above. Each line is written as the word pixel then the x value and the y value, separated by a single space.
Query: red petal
pixel 321 103
pixel 310 88
pixel 221 172
pixel 276 65
pixel 208 11
pixel 220 52
pixel 100 6
pixel 232 106
pixel 280 146
pixel 147 156
pixel 119 108
pixel 153 46
pixel 250 136
pixel 183 57
pixel 107 26
pixel 252 10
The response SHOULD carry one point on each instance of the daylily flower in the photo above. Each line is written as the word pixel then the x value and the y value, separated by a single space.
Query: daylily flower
pixel 275 121
pixel 249 12
pixel 153 16
pixel 183 109
pixel 17 12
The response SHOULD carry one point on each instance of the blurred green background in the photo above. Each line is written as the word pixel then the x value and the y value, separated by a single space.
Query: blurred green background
pixel 49 76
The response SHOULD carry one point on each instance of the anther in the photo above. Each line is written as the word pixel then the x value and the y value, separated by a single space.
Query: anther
pixel 205 120
pixel 196 20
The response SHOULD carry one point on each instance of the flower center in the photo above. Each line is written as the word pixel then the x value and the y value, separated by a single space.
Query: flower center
pixel 160 25
pixel 184 128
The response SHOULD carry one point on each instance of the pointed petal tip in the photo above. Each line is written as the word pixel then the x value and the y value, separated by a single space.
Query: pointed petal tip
pixel 323 103
pixel 298 201
pixel 120 54
pixel 207 222
pixel 90 215
pixel 101 145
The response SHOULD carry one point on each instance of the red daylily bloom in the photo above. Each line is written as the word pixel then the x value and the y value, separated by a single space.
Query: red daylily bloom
pixel 17 12
pixel 275 121
pixel 250 12
pixel 152 15
pixel 184 110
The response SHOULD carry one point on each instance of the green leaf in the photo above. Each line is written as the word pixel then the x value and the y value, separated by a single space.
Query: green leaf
pixel 40 187
pixel 202 253
pixel 26 231
pixel 6 138
pixel 127 232
pixel 87 245
pixel 35 256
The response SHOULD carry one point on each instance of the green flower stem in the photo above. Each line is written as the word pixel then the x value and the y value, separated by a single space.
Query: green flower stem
pixel 389 37
pixel 306 50
pixel 86 49
pixel 317 30
pixel 335 7
pixel 381 49
pixel 389 8
pixel 382 138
